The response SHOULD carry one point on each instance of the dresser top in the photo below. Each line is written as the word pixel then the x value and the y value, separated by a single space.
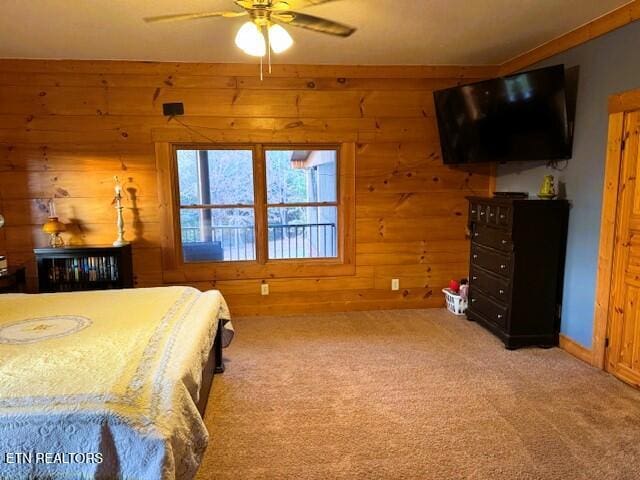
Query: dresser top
pixel 75 249
pixel 516 201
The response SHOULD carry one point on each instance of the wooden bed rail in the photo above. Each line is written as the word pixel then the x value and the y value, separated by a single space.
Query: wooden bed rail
pixel 214 365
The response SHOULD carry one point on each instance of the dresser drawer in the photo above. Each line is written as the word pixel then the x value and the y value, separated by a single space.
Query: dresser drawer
pixel 479 213
pixel 490 214
pixel 491 260
pixel 492 285
pixel 485 213
pixel 486 307
pixel 474 212
pixel 492 237
pixel 503 217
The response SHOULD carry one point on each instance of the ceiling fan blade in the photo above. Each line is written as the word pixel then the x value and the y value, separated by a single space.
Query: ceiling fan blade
pixel 192 16
pixel 316 24
pixel 296 4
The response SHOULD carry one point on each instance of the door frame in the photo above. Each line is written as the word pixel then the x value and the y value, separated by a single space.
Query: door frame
pixel 619 105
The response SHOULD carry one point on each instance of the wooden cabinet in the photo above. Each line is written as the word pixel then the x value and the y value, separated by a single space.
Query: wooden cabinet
pixel 516 268
pixel 68 269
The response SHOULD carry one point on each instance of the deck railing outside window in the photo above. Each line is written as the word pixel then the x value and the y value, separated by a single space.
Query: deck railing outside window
pixel 317 240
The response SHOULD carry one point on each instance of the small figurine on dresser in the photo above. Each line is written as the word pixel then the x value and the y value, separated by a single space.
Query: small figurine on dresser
pixel 547 189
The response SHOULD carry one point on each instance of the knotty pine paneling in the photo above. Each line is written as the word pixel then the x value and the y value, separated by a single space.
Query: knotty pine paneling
pixel 67 127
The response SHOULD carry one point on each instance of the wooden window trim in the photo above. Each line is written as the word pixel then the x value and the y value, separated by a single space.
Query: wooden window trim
pixel 175 270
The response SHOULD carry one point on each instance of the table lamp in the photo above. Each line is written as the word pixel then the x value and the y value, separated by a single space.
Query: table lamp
pixel 53 227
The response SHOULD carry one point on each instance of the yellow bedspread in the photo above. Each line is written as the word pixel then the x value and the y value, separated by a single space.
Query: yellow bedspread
pixel 114 373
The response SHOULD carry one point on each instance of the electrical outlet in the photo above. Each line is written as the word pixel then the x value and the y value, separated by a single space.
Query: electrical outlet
pixel 395 284
pixel 264 289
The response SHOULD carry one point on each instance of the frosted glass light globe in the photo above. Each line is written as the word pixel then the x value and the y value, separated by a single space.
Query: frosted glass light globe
pixel 279 39
pixel 251 40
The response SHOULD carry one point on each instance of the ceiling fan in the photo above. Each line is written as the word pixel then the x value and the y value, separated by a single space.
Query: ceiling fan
pixel 270 16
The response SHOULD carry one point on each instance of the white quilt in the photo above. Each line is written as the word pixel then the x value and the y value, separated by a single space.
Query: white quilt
pixel 104 384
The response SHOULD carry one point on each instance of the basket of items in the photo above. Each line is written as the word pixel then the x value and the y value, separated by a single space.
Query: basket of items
pixel 456 296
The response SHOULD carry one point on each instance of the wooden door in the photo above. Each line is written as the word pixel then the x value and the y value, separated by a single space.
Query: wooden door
pixel 623 330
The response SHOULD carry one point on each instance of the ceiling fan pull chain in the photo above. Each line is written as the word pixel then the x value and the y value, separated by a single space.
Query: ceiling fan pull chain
pixel 269 48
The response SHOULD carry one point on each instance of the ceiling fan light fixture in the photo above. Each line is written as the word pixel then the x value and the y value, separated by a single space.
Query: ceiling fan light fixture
pixel 251 40
pixel 279 39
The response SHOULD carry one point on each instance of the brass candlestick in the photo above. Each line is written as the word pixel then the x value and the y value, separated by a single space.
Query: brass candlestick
pixel 120 241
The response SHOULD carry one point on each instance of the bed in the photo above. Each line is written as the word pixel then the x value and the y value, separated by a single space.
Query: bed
pixel 108 384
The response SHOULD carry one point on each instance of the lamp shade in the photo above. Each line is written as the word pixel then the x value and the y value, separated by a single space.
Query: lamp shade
pixel 279 39
pixel 53 226
pixel 250 39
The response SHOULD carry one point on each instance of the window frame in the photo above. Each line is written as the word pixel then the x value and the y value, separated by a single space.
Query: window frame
pixel 176 270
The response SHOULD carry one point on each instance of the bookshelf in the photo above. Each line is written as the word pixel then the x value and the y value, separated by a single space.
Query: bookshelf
pixel 68 269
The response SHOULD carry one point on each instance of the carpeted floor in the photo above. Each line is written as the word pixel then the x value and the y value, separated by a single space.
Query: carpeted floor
pixel 416 394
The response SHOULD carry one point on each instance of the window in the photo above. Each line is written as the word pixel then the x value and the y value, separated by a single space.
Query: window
pixel 302 205
pixel 217 218
pixel 263 205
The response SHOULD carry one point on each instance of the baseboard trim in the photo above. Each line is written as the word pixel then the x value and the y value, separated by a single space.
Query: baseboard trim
pixel 575 349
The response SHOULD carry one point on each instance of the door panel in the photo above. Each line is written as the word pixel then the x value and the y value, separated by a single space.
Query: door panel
pixel 628 327
pixel 623 331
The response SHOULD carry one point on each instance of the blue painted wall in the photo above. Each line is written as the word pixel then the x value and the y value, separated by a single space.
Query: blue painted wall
pixel 607 65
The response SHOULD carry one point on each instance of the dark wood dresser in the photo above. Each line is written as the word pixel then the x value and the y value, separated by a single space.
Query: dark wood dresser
pixel 516 268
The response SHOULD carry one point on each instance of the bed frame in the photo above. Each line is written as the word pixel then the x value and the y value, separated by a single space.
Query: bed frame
pixel 214 365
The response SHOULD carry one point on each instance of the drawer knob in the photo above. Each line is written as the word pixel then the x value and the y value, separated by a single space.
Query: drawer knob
pixel 473 211
pixel 492 214
pixel 475 255
pixel 476 234
pixel 503 266
pixel 504 242
pixel 474 278
pixel 473 300
pixel 499 315
pixel 481 213
pixel 501 292
pixel 502 215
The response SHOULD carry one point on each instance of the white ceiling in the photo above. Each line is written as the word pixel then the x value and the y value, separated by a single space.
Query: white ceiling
pixel 418 32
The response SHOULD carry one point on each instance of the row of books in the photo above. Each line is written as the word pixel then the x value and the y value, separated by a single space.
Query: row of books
pixel 82 270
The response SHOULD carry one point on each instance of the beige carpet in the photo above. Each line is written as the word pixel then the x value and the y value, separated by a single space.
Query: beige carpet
pixel 417 394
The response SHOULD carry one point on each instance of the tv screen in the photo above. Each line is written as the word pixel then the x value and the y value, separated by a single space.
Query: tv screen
pixel 519 117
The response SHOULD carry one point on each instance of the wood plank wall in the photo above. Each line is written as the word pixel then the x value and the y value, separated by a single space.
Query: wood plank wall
pixel 67 127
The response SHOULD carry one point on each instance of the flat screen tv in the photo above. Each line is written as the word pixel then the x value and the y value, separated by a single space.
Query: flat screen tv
pixel 519 117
